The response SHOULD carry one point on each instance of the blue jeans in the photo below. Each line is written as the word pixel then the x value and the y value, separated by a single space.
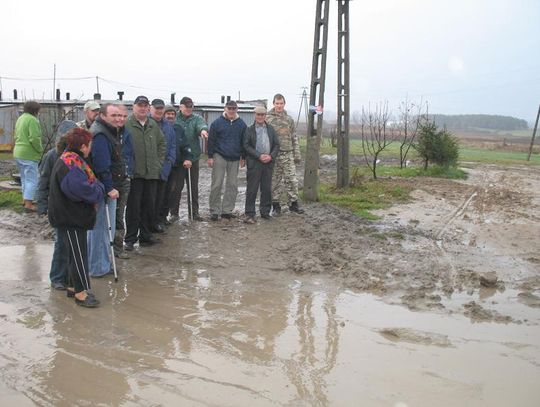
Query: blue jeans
pixel 99 248
pixel 29 177
pixel 59 263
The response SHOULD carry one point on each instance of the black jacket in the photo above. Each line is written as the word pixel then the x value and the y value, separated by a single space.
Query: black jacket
pixel 250 142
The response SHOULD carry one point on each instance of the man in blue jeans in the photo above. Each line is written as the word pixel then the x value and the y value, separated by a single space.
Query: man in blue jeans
pixel 109 167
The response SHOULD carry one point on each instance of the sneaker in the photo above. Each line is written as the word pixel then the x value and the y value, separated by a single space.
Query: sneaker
pixel 120 254
pixel 129 246
pixel 159 228
pixel 150 241
pixel 89 302
pixel 58 285
pixel 214 218
pixel 197 217
pixel 173 218
pixel 250 220
pixel 266 216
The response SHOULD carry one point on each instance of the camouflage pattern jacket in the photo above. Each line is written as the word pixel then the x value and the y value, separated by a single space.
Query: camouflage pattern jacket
pixel 283 124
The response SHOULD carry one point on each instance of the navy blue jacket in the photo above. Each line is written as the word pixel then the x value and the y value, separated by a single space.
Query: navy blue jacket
pixel 107 155
pixel 225 138
pixel 170 154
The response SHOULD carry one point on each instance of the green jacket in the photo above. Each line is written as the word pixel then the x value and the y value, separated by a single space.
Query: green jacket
pixel 193 125
pixel 149 147
pixel 28 138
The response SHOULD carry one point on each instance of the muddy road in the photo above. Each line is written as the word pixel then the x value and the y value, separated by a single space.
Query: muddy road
pixel 437 303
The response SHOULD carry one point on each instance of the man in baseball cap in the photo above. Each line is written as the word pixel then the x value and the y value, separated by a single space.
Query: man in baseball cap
pixel 141 100
pixel 91 111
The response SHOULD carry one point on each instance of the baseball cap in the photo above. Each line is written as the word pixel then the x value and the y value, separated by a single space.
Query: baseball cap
pixel 187 102
pixel 91 105
pixel 170 108
pixel 141 99
pixel 260 110
pixel 158 103
pixel 64 127
pixel 231 103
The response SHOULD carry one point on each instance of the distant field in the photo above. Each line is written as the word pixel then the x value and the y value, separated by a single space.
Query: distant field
pixel 468 152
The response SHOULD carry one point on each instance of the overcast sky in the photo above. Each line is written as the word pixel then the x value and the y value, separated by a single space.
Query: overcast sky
pixel 462 56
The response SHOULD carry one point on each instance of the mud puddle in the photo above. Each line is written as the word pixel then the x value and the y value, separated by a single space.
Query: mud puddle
pixel 186 331
pixel 320 309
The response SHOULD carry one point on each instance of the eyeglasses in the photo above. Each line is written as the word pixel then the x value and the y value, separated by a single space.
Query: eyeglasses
pixel 231 108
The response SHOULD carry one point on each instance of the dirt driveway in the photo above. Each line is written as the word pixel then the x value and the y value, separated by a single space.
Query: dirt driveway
pixel 319 309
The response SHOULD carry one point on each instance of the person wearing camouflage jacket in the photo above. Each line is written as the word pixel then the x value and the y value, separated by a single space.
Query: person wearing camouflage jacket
pixel 284 180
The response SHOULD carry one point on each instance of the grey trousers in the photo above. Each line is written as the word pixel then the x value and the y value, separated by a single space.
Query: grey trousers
pixel 221 168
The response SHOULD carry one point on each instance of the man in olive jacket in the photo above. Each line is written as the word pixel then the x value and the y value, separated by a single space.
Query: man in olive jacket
pixel 149 149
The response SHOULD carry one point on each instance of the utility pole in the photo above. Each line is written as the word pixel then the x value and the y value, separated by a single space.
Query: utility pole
pixel 316 98
pixel 534 135
pixel 343 105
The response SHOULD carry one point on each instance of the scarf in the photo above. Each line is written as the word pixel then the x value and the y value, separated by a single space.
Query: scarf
pixel 72 159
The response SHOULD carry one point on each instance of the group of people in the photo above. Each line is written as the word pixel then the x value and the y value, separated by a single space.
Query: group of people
pixel 119 177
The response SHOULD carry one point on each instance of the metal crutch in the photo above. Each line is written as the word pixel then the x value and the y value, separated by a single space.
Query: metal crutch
pixel 111 242
pixel 190 198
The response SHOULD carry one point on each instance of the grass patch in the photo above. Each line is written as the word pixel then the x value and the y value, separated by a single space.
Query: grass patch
pixel 370 195
pixel 392 171
pixel 10 199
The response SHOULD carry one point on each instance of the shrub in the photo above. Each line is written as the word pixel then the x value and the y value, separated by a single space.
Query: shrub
pixel 437 146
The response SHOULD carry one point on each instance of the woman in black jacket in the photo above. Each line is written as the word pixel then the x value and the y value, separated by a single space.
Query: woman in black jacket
pixel 74 193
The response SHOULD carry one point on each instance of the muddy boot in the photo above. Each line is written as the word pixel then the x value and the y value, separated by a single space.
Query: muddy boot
pixel 293 207
pixel 276 209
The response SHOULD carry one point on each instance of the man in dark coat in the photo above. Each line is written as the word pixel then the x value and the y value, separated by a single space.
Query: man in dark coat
pixel 261 146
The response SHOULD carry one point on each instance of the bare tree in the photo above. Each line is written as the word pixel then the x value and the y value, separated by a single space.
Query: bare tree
pixel 411 117
pixel 375 134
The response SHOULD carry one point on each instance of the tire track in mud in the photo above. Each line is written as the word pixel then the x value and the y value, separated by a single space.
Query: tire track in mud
pixel 459 212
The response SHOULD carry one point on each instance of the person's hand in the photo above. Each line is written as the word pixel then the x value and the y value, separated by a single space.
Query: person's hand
pixel 242 163
pixel 204 134
pixel 187 164
pixel 113 194
pixel 265 158
pixel 210 162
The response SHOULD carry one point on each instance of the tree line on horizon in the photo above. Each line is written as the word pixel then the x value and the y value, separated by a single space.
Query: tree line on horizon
pixel 478 121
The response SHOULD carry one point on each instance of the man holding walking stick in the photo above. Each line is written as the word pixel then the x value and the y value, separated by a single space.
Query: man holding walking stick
pixel 110 169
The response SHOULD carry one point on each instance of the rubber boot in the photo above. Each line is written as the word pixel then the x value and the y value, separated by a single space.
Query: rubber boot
pixel 276 209
pixel 293 207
